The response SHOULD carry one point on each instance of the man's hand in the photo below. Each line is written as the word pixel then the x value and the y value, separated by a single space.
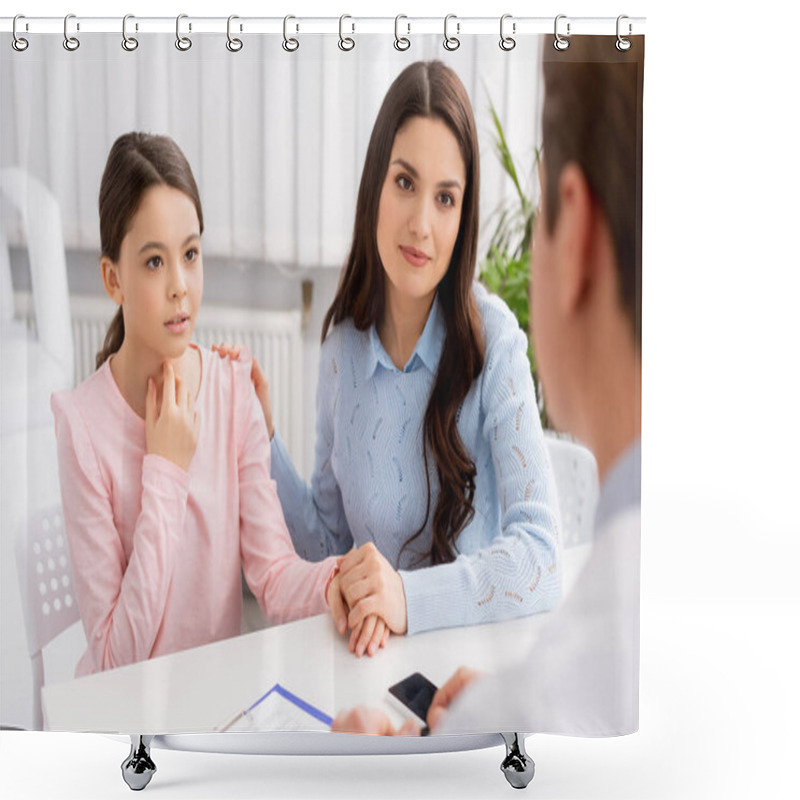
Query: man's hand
pixel 369 720
pixel 443 698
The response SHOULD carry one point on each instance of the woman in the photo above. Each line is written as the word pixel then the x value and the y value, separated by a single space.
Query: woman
pixel 428 459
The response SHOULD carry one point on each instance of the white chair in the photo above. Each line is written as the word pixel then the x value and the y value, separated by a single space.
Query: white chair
pixel 39 214
pixel 577 486
pixel 48 594
pixel 36 359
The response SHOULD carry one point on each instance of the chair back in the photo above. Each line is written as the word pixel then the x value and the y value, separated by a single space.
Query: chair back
pixel 46 584
pixel 40 217
pixel 577 486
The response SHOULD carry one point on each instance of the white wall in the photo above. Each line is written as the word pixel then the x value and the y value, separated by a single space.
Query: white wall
pixel 276 141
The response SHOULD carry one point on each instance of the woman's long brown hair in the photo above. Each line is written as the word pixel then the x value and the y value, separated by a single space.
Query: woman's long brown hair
pixel 426 89
pixel 136 162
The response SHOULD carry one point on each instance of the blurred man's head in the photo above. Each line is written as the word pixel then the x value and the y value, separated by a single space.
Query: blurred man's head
pixel 586 268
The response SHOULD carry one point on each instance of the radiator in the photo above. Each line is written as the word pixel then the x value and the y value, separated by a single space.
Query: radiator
pixel 273 337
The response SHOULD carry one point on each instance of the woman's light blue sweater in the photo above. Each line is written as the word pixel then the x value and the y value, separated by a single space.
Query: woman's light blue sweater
pixel 369 481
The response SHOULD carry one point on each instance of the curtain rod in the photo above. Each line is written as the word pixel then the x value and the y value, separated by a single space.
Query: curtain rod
pixel 347 25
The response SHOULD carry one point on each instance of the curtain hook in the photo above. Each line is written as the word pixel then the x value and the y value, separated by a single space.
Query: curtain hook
pixel 129 43
pixel 560 43
pixel 346 43
pixel 70 42
pixel 401 43
pixel 183 43
pixel 18 42
pixel 623 44
pixel 507 43
pixel 451 42
pixel 289 44
pixel 233 44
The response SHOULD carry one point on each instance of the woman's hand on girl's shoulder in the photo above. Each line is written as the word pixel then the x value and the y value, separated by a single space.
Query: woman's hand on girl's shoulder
pixel 231 351
pixel 171 430
pixel 260 382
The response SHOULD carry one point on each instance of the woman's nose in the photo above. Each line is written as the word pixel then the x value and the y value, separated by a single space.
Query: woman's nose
pixel 420 221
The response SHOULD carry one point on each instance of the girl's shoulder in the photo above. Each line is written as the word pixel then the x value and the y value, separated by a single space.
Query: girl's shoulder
pixel 90 399
pixel 223 379
pixel 85 419
pixel 226 399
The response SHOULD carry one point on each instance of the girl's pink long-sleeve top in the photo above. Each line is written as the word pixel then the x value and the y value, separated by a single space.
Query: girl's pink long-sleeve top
pixel 156 550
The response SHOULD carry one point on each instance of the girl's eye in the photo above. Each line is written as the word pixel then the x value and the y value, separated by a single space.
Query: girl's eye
pixel 447 199
pixel 191 254
pixel 403 182
pixel 154 262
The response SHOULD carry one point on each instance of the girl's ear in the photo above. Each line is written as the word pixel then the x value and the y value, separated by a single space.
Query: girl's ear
pixel 111 282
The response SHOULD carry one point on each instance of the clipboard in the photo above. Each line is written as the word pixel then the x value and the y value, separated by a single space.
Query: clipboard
pixel 278 709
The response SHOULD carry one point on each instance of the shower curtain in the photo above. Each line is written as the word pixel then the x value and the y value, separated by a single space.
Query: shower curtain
pixel 277 127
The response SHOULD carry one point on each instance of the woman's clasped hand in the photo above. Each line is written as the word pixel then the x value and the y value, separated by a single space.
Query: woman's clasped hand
pixel 366 597
pixel 369 600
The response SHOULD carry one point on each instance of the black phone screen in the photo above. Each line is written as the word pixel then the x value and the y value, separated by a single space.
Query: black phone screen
pixel 416 693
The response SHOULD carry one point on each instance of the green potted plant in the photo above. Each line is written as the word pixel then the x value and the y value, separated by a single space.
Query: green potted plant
pixel 505 269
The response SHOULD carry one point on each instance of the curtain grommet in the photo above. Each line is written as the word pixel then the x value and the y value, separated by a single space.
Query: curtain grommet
pixel 623 44
pixel 129 43
pixel 183 43
pixel 71 43
pixel 451 43
pixel 233 44
pixel 290 44
pixel 401 43
pixel 560 43
pixel 507 43
pixel 346 43
pixel 19 43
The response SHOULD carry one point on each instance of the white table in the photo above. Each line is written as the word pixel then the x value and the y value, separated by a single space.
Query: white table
pixel 197 690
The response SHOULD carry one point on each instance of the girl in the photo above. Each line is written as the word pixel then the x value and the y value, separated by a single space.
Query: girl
pixel 428 456
pixel 163 455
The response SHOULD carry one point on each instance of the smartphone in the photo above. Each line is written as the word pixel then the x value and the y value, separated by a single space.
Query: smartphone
pixel 416 693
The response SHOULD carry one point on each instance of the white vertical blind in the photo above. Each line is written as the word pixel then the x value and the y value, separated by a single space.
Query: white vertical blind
pixel 216 152
pixel 276 140
pixel 338 190
pixel 278 95
pixel 308 123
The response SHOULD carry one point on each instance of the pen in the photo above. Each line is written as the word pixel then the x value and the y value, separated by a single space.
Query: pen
pixel 232 721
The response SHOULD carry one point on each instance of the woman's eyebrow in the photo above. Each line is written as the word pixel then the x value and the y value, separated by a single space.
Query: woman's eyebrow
pixel 406 166
pixel 451 184
pixel 160 246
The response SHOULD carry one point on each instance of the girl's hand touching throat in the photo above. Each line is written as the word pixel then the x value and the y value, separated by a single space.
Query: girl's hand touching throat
pixel 171 431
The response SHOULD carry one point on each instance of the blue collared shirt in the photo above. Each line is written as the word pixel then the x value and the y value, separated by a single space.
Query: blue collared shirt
pixel 426 354
pixel 369 481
